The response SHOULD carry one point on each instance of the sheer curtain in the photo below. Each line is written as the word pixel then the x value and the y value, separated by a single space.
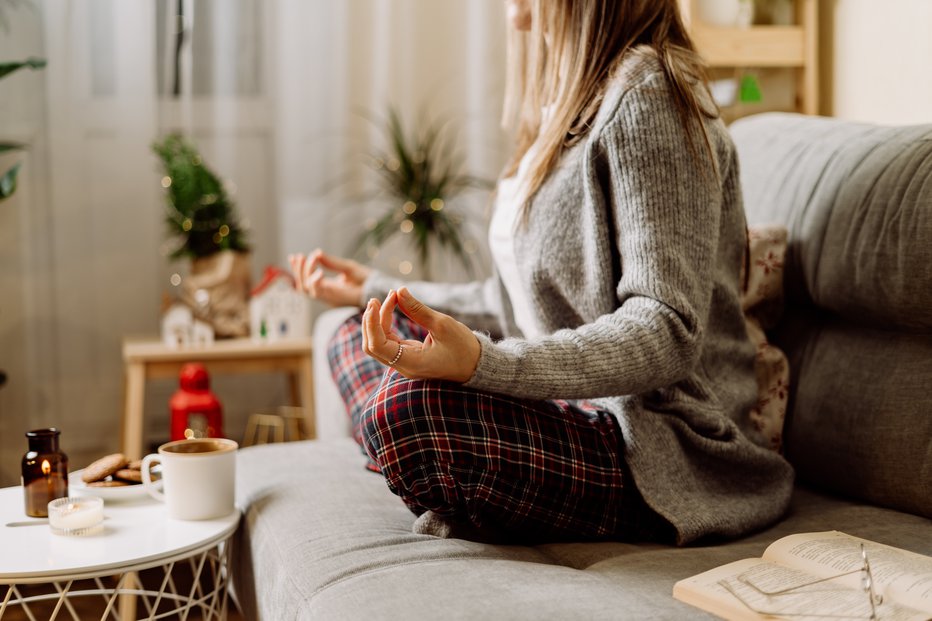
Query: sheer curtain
pixel 273 92
pixel 426 58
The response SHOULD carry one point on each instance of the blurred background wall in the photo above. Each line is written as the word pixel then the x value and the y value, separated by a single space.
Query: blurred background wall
pixel 875 60
pixel 275 94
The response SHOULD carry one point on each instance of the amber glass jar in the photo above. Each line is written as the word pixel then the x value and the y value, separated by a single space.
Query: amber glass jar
pixel 45 471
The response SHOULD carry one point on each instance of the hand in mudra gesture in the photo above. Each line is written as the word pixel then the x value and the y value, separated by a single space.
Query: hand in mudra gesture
pixel 450 351
pixel 342 289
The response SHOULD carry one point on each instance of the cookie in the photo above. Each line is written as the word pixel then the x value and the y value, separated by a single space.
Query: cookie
pixel 135 465
pixel 103 467
pixel 125 474
pixel 113 483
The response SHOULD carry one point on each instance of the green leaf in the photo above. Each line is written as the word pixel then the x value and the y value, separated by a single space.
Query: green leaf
pixel 8 182
pixel 417 166
pixel 30 63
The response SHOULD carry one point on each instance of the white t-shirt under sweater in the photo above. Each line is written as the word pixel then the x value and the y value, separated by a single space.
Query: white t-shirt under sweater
pixel 505 218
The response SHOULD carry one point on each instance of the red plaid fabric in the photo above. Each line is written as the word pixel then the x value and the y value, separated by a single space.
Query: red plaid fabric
pixel 542 469
pixel 356 374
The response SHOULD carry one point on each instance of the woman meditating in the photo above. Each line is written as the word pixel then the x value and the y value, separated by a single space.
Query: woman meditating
pixel 599 384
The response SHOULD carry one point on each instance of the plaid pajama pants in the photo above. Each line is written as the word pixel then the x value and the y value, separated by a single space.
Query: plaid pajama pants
pixel 546 470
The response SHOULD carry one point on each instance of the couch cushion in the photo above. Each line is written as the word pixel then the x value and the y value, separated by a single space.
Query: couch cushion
pixel 323 538
pixel 857 202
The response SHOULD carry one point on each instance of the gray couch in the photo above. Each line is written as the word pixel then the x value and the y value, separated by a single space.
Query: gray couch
pixel 322 538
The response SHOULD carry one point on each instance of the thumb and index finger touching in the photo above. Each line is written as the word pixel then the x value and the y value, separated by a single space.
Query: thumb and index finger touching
pixel 415 310
pixel 306 264
pixel 308 270
pixel 305 268
pixel 333 263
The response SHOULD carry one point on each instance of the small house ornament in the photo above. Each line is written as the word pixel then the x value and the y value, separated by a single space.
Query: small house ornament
pixel 180 328
pixel 277 310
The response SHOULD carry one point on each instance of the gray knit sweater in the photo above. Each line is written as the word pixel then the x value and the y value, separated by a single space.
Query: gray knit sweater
pixel 631 260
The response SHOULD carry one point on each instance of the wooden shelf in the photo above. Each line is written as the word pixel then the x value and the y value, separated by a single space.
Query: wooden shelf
pixel 793 47
pixel 758 46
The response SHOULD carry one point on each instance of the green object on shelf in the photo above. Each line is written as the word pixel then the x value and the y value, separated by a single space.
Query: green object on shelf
pixel 749 91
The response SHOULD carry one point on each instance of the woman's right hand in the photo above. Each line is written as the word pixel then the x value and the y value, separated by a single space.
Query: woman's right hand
pixel 343 288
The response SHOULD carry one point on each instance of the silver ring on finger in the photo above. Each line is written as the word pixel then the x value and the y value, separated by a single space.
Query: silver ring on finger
pixel 401 349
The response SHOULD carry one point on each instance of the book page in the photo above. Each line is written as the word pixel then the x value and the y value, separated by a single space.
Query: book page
pixel 899 575
pixel 705 591
pixel 752 589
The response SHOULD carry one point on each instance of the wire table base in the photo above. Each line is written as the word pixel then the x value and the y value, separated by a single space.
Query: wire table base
pixel 193 587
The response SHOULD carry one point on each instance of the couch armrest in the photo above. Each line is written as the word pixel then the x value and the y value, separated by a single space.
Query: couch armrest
pixel 332 420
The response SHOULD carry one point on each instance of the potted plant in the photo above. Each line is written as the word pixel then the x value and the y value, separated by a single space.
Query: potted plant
pixel 205 229
pixel 8 178
pixel 418 175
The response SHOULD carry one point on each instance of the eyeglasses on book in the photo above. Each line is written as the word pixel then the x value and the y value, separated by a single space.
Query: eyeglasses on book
pixel 867 585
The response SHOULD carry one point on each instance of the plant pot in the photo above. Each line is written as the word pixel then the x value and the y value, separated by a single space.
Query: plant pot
pixel 218 291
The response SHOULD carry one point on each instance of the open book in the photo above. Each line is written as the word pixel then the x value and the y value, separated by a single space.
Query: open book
pixel 816 576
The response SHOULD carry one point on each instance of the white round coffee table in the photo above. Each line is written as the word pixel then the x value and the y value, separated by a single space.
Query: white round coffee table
pixel 43 573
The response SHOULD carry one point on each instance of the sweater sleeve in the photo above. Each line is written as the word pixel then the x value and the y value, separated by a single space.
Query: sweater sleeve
pixel 665 204
pixel 476 304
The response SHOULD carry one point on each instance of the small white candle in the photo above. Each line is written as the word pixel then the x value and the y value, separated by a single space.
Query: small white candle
pixel 76 516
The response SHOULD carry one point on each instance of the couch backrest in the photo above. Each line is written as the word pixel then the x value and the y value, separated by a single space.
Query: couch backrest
pixel 857 328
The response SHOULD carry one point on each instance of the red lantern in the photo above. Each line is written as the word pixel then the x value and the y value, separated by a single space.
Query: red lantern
pixel 196 411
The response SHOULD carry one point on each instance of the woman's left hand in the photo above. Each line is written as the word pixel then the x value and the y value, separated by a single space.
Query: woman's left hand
pixel 450 351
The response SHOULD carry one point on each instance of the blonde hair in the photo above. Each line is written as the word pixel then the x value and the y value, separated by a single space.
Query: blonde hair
pixel 564 63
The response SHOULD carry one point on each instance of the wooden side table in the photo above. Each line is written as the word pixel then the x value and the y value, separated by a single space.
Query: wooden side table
pixel 146 359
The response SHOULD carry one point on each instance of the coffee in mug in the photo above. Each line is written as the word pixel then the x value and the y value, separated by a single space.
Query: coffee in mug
pixel 197 477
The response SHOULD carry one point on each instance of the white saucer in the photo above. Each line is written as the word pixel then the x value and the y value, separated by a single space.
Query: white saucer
pixel 126 492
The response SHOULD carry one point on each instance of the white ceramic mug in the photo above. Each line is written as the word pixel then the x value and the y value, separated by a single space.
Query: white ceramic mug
pixel 197 477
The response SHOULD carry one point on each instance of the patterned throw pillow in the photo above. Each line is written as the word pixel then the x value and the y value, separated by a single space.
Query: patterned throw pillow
pixel 762 302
